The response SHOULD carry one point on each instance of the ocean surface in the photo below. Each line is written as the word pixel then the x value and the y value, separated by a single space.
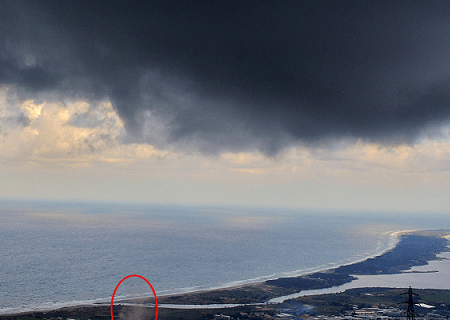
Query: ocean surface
pixel 56 254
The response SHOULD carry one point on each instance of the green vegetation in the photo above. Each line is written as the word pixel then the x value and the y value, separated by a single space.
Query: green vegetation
pixel 412 250
pixel 374 298
pixel 28 318
pixel 252 293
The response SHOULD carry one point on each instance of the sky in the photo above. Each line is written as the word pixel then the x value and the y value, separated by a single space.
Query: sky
pixel 337 105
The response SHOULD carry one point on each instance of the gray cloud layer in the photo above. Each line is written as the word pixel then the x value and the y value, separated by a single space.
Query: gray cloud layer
pixel 239 75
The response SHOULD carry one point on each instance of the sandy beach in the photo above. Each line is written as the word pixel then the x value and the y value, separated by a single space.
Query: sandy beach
pixel 392 263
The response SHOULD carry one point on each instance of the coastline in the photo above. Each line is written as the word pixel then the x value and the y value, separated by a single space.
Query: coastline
pixel 235 285
pixel 262 292
pixel 320 278
pixel 395 238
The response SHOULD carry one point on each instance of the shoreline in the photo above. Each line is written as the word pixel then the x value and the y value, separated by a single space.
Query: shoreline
pixel 234 285
pixel 395 238
pixel 263 291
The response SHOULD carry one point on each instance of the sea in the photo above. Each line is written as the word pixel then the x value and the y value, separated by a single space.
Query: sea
pixel 57 254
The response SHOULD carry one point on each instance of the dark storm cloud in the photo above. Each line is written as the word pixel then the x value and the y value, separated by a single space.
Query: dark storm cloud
pixel 30 77
pixel 240 75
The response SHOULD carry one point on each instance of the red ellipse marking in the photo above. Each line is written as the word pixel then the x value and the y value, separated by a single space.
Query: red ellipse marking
pixel 138 276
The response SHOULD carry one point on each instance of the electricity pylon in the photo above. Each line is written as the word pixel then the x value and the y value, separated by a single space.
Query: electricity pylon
pixel 410 314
